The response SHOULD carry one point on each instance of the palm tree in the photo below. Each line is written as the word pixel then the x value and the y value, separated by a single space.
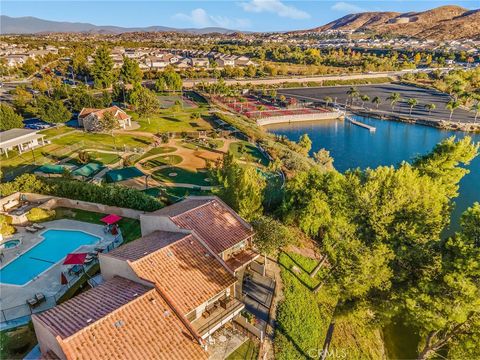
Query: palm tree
pixel 327 100
pixel 476 108
pixel 412 102
pixel 377 101
pixel 452 105
pixel 430 107
pixel 353 93
pixel 364 98
pixel 394 98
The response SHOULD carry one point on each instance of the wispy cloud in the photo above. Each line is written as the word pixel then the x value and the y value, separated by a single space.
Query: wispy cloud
pixel 200 18
pixel 346 7
pixel 275 7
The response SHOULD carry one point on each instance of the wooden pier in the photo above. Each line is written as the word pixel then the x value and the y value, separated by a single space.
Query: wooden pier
pixel 358 123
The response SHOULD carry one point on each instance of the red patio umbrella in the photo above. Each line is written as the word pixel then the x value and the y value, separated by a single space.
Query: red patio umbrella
pixel 75 259
pixel 111 219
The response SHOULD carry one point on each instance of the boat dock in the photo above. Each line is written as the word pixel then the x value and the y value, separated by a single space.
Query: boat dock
pixel 358 123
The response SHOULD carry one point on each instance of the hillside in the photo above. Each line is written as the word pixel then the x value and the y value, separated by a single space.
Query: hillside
pixel 442 23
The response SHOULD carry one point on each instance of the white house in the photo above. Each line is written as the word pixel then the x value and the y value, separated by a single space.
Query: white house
pixel 22 139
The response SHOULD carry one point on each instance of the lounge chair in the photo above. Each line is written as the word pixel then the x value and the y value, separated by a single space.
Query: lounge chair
pixel 32 302
pixel 31 229
pixel 38 226
pixel 40 297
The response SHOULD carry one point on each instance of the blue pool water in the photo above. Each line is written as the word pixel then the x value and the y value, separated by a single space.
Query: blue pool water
pixel 53 248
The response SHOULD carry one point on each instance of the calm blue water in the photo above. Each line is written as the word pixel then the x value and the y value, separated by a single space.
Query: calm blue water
pixel 392 143
pixel 56 245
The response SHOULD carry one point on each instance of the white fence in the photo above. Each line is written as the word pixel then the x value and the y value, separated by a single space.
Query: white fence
pixel 298 118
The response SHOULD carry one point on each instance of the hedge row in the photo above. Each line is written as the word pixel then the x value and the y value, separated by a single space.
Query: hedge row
pixel 77 190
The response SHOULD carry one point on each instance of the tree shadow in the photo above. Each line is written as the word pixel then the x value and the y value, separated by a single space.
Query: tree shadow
pixel 292 341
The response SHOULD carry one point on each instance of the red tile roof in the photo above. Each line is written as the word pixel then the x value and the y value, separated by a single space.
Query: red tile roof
pixel 216 223
pixel 186 271
pixel 123 326
pixel 146 245
pixel 68 318
pixel 119 113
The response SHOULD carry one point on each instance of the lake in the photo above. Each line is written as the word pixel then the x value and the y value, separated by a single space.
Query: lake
pixel 393 142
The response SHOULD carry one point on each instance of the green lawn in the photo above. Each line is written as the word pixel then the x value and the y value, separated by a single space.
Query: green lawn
pixel 168 121
pixel 130 227
pixel 103 141
pixel 16 343
pixel 56 131
pixel 303 318
pixel 243 150
pixel 157 151
pixel 162 160
pixel 183 176
pixel 104 158
pixel 247 351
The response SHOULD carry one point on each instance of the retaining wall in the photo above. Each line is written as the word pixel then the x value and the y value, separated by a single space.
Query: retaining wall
pixel 298 118
pixel 52 202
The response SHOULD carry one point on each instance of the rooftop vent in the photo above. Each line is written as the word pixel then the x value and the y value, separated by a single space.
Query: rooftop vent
pixel 166 313
pixel 119 323
pixel 89 321
pixel 169 253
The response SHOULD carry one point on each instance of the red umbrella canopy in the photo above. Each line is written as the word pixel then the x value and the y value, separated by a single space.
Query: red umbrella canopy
pixel 75 259
pixel 111 219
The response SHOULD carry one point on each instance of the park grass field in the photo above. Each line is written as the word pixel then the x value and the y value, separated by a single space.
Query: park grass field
pixel 55 131
pixel 183 176
pixel 162 160
pixel 243 150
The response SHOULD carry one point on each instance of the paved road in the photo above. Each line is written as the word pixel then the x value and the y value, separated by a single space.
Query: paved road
pixel 383 91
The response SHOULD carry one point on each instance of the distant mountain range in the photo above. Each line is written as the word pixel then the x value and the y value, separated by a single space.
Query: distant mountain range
pixel 443 23
pixel 33 25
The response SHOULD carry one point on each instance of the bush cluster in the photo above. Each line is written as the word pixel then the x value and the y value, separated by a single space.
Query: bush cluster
pixel 72 189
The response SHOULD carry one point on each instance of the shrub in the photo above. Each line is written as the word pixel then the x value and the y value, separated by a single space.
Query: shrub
pixel 6 227
pixel 39 214
pixel 72 189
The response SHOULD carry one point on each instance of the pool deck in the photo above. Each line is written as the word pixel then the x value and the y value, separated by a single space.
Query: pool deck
pixel 48 282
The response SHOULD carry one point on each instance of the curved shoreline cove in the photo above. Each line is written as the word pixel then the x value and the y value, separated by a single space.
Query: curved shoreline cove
pixel 391 143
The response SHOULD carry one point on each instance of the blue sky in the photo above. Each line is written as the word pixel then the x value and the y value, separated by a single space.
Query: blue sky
pixel 252 15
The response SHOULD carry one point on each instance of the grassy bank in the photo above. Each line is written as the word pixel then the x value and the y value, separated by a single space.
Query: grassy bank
pixel 303 318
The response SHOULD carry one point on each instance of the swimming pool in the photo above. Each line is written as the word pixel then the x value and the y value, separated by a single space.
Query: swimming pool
pixel 53 248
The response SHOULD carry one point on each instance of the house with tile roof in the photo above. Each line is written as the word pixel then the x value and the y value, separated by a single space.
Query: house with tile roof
pixel 212 221
pixel 120 319
pixel 90 118
pixel 164 294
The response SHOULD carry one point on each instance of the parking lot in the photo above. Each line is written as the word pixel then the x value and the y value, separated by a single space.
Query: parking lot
pixel 383 91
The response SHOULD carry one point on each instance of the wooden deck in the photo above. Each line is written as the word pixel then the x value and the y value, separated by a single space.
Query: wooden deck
pixel 218 317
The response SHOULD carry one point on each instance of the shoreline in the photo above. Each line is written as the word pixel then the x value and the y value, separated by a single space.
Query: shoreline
pixel 440 124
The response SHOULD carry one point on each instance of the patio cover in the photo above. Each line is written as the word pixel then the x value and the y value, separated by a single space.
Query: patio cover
pixel 123 174
pixel 75 259
pixel 110 219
